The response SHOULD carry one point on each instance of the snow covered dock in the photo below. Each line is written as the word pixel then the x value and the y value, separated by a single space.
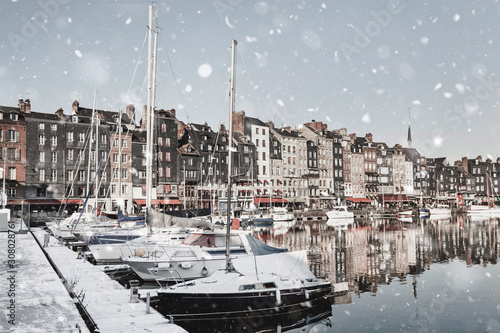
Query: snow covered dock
pixel 44 304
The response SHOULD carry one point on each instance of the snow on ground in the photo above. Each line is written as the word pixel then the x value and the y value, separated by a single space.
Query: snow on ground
pixel 42 304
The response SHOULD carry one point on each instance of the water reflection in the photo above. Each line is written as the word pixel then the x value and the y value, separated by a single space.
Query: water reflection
pixel 370 253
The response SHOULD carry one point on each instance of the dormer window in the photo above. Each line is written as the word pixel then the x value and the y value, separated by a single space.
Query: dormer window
pixel 74 119
pixel 13 116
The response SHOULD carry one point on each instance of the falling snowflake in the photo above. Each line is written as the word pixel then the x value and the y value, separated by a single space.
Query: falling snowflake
pixel 205 70
pixel 366 118
pixel 78 53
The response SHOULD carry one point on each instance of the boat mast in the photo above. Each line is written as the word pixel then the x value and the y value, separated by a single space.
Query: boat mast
pixel 149 173
pixel 120 145
pixel 90 148
pixel 229 156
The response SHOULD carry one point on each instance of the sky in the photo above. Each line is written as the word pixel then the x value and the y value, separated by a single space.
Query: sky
pixel 370 66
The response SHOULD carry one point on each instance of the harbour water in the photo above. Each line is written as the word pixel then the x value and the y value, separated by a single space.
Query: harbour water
pixel 429 275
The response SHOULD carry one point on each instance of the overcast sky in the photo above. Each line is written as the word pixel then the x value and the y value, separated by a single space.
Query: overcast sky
pixel 355 64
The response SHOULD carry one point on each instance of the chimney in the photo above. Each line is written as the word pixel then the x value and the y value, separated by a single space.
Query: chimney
pixel 129 110
pixel 464 164
pixel 75 107
pixel 27 106
pixel 352 136
pixel 369 137
pixel 479 158
pixel 59 113
pixel 144 119
pixel 172 112
pixel 21 105
pixel 239 121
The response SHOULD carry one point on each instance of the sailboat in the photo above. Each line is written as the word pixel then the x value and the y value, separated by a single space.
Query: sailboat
pixel 488 210
pixel 270 284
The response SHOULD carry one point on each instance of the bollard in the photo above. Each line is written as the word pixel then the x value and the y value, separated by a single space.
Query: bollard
pixel 148 303
pixel 46 239
pixel 79 250
pixel 134 291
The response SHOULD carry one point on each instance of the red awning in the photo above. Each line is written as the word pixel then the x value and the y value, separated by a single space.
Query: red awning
pixel 394 198
pixel 142 202
pixel 268 200
pixel 43 202
pixel 167 188
pixel 358 200
pixel 73 201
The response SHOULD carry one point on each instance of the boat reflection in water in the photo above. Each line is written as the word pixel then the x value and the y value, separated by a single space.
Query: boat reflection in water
pixel 303 319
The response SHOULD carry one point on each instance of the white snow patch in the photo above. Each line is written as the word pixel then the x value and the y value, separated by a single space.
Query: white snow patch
pixel 456 17
pixel 189 88
pixel 205 70
pixel 366 118
pixel 460 87
pixel 438 141
pixel 280 102
pixel 128 20
pixel 78 53
pixel 424 40
pixel 438 86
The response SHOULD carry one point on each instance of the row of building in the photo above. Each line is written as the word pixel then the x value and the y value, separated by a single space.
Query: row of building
pixel 100 156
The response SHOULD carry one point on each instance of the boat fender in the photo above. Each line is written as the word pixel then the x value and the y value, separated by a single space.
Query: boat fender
pixel 278 297
pixel 204 271
pixel 139 252
pixel 306 293
pixel 185 265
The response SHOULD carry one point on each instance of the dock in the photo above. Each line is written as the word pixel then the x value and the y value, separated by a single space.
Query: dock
pixel 59 291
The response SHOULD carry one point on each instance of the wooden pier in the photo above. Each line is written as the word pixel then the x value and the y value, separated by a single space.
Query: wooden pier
pixel 105 300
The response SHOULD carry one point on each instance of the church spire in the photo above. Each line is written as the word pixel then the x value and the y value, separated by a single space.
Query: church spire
pixel 409 129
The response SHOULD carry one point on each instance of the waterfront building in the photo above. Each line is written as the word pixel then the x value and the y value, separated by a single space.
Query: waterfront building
pixel 338 172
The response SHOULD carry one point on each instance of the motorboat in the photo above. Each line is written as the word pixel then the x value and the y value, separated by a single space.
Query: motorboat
pixel 199 255
pixel 80 223
pixel 260 285
pixel 339 212
pixel 439 211
pixel 109 248
pixel 484 211
pixel 280 214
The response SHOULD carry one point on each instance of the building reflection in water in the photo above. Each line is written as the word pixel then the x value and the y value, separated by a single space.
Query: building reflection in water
pixel 368 253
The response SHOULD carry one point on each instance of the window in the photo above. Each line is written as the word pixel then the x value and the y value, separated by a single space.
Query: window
pixel 54 157
pixel 41 192
pixel 41 175
pixel 12 173
pixel 257 142
pixel 11 192
pixel 168 173
pixel 256 130
pixel 1 134
pixel 167 142
pixel 160 141
pixel 124 189
pixel 70 175
pixel 70 137
pixel 124 158
pixel 104 176
pixel 11 154
pixel 167 156
pixel 70 154
pixel 115 173
pixel 160 156
pixel 264 156
pixel 41 126
pixel 263 143
pixel 42 156
pixel 142 174
pixel 53 141
pixel 81 175
pixel 14 136
pixel 143 149
pixel 124 143
pixel 81 137
pixel 113 189
pixel 53 127
pixel 160 172
pixel 13 116
pixel 81 156
pixel 124 173
pixel 53 175
pixel 115 158
pixel 74 119
pixel 104 138
pixel 163 127
pixel 263 131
